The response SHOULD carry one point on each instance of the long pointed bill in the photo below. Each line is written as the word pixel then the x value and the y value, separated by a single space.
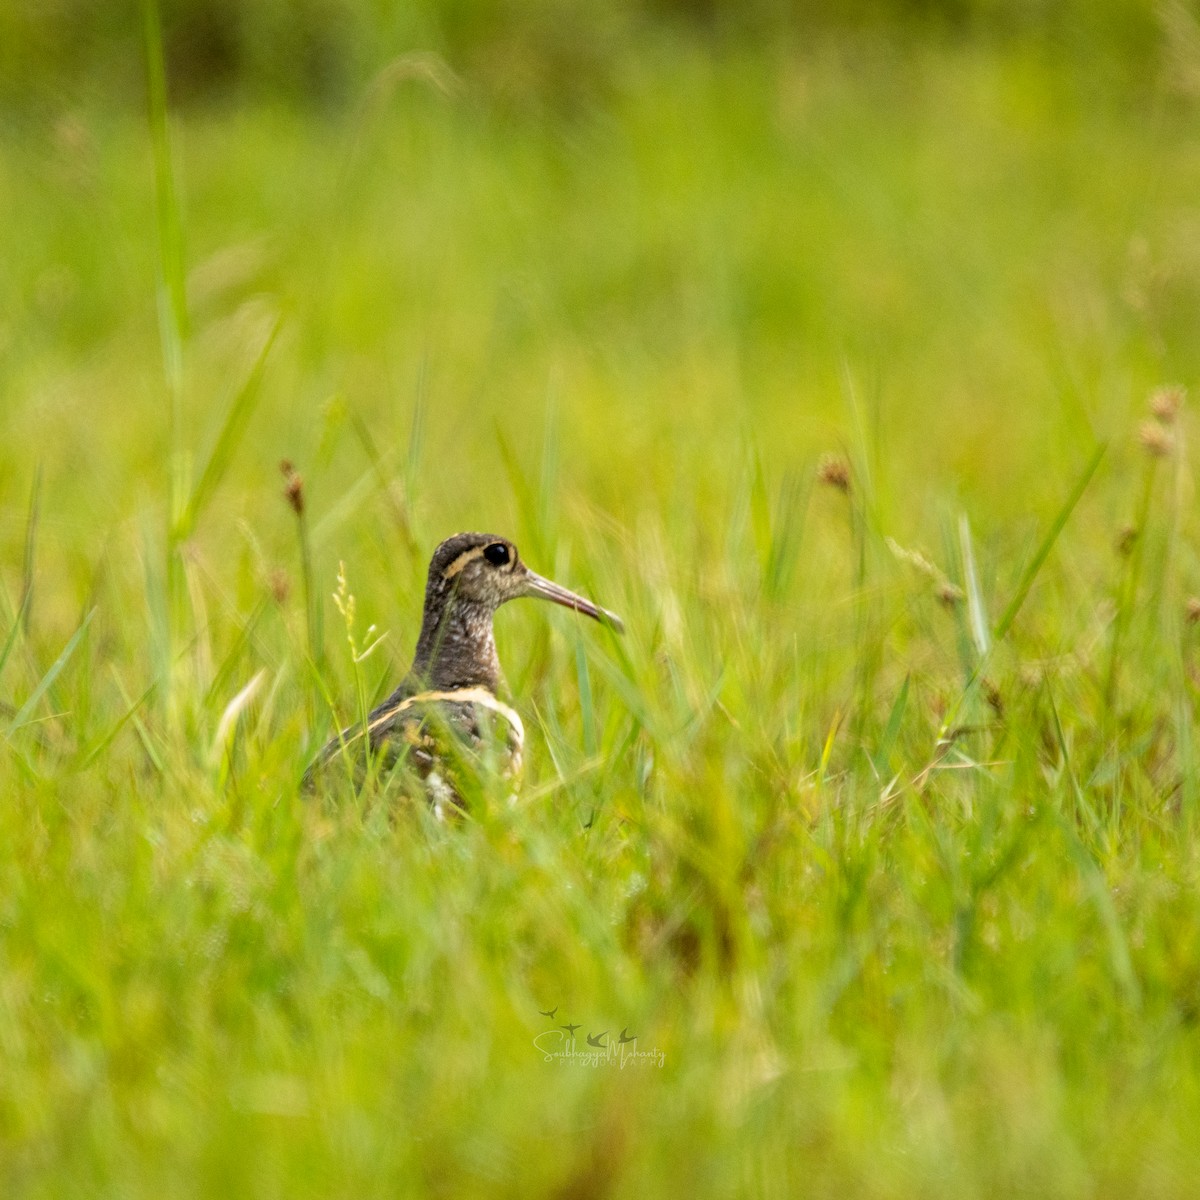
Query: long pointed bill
pixel 535 585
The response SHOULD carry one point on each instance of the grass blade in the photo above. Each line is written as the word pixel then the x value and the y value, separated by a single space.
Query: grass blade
pixel 25 712
pixel 14 630
pixel 1097 886
pixel 527 500
pixel 787 532
pixel 27 567
pixel 132 707
pixel 1082 805
pixel 232 711
pixel 760 513
pixel 416 436
pixel 587 709
pixel 233 427
pixel 1043 551
pixel 884 753
pixel 975 605
pixel 548 490
pixel 399 510
pixel 172 299
pixel 107 740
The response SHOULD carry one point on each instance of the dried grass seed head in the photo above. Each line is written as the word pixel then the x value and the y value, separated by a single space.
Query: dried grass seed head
pixel 949 595
pixel 1166 402
pixel 834 472
pixel 1156 439
pixel 293 487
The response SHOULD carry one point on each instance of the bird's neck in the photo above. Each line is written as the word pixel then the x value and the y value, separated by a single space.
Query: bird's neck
pixel 457 649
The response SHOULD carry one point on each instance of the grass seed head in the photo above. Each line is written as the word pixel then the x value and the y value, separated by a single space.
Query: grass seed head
pixel 1126 537
pixel 1192 610
pixel 1166 402
pixel 1156 439
pixel 949 595
pixel 834 472
pixel 293 488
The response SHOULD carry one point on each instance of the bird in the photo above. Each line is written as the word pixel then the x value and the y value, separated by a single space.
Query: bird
pixel 549 1014
pixel 571 1030
pixel 446 713
pixel 626 1036
pixel 597 1040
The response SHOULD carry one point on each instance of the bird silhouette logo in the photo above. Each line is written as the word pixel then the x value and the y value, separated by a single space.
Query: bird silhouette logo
pixel 597 1040
pixel 626 1036
pixel 551 1013
pixel 570 1029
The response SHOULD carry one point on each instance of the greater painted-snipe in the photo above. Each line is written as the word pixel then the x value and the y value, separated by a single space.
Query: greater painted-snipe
pixel 447 704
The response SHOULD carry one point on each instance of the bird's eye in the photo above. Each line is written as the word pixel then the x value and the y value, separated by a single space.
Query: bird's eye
pixel 496 554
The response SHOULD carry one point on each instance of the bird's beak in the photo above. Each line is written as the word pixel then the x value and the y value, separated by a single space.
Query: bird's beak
pixel 535 585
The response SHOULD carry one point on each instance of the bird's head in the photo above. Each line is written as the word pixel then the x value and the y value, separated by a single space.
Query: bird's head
pixel 485 571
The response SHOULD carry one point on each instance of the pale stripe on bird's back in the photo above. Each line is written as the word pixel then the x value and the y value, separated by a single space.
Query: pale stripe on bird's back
pixel 472 695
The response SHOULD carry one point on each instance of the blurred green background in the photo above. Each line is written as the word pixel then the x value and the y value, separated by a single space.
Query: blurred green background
pixel 319 52
pixel 785 330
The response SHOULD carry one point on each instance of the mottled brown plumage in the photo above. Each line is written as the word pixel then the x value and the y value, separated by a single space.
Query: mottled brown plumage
pixel 445 713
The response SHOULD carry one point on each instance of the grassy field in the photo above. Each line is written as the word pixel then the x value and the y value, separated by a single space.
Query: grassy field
pixel 831 371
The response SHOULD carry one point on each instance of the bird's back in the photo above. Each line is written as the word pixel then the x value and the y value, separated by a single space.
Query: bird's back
pixel 444 736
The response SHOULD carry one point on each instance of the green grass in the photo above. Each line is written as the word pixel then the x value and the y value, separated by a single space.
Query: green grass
pixel 880 823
